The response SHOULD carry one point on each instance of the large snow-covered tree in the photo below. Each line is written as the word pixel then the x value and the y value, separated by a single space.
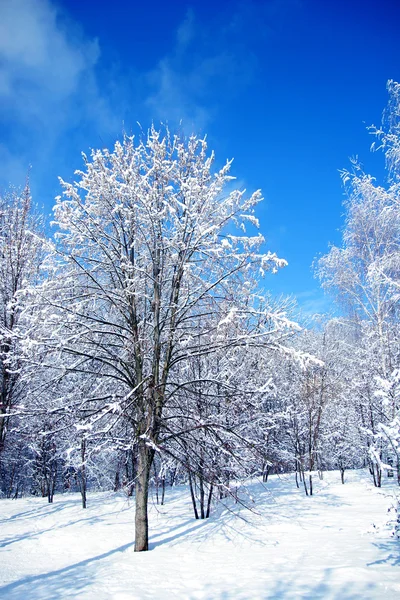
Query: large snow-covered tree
pixel 152 269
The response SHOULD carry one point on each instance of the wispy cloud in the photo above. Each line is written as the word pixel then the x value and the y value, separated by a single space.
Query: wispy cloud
pixel 37 57
pixel 58 96
pixel 47 82
pixel 207 63
pixel 212 60
pixel 314 302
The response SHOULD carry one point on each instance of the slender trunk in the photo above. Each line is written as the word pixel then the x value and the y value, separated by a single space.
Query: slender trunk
pixel 311 461
pixel 376 475
pixel 83 494
pixel 305 485
pixel 83 481
pixel 5 400
pixel 297 477
pixel 53 481
pixel 342 475
pixel 379 476
pixel 301 470
pixel 303 478
pixel 202 496
pixel 50 491
pixel 209 501
pixel 156 483
pixel 43 489
pixel 163 491
pixel 266 472
pixel 196 514
pixel 16 492
pixel 145 459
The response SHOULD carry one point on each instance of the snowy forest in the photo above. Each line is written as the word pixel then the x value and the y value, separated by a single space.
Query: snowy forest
pixel 140 347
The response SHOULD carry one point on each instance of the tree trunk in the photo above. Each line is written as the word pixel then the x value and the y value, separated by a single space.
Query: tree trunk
pixel 173 475
pixel 376 475
pixel 303 478
pixel 163 491
pixel 145 459
pixel 209 500
pixel 266 472
pixel 156 482
pixel 83 478
pixel 192 495
pixel 296 477
pixel 202 495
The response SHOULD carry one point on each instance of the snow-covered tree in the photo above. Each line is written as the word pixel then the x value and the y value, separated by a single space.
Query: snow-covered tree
pixel 151 244
pixel 365 275
pixel 21 254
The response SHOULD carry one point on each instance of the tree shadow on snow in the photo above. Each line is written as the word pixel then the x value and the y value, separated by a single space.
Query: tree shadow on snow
pixel 391 551
pixel 36 533
pixel 160 540
pixel 222 524
pixel 36 512
pixel 285 587
pixel 43 511
pixel 68 582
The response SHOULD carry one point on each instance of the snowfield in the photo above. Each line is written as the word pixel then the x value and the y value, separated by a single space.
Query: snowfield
pixel 336 544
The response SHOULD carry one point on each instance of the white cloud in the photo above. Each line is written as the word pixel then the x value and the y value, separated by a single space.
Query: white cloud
pixel 175 97
pixel 211 60
pixel 38 58
pixel 206 61
pixel 48 86
pixel 186 30
pixel 314 302
pixel 50 71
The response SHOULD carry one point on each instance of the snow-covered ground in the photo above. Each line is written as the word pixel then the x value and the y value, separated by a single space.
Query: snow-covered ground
pixel 333 545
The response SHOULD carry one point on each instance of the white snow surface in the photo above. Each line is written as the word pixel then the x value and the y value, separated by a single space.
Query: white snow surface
pixel 336 544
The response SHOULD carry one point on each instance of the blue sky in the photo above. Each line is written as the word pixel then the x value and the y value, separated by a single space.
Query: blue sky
pixel 286 87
